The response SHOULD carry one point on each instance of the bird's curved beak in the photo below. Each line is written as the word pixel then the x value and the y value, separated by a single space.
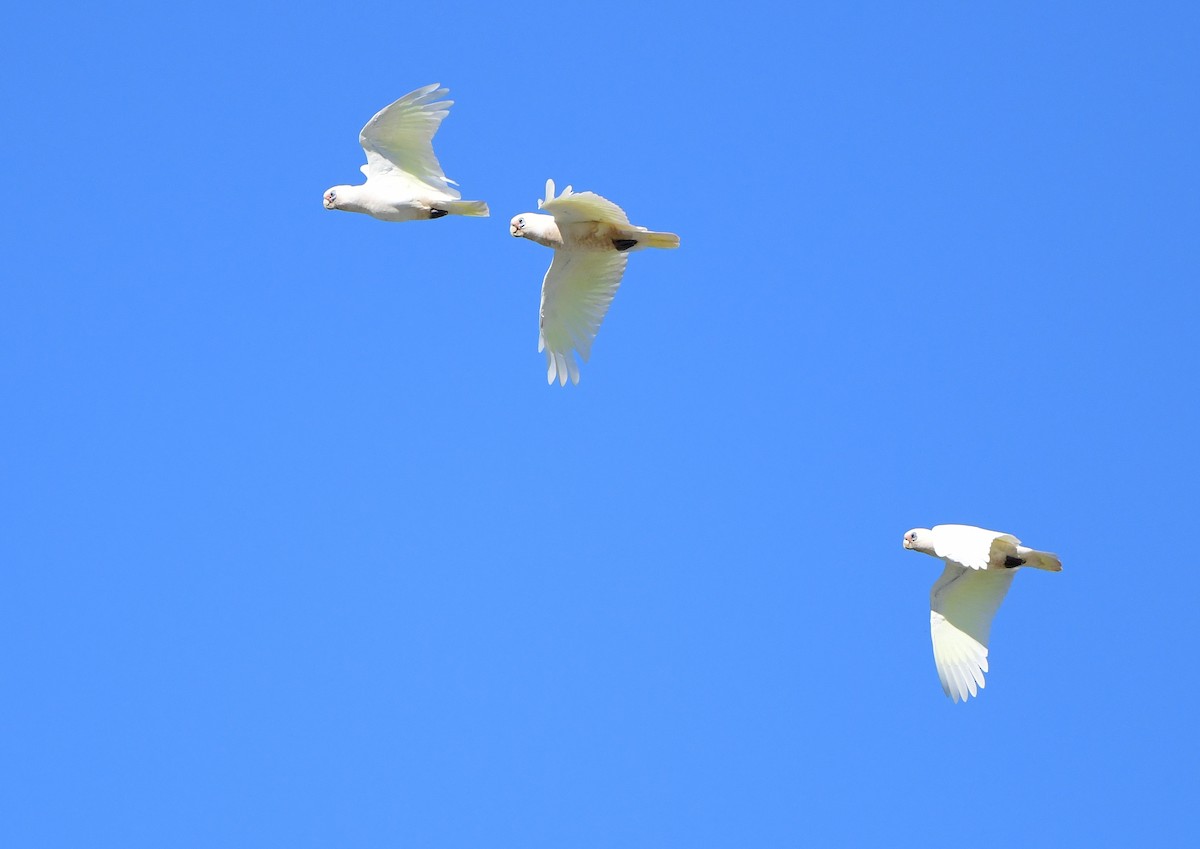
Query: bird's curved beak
pixel 515 230
pixel 907 542
pixel 328 204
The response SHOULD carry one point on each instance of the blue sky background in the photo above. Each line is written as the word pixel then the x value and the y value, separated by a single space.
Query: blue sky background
pixel 300 550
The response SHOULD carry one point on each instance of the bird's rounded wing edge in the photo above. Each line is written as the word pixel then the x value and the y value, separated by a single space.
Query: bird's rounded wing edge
pixel 398 140
pixel 576 293
pixel 962 604
pixel 571 207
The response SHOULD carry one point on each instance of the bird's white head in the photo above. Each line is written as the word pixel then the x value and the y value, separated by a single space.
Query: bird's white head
pixel 536 226
pixel 332 196
pixel 919 539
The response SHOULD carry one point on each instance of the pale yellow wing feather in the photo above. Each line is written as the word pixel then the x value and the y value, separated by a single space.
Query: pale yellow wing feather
pixel 398 140
pixel 576 293
pixel 572 207
pixel 962 604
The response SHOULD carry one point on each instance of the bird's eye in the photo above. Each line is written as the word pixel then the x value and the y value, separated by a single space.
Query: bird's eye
pixel 520 222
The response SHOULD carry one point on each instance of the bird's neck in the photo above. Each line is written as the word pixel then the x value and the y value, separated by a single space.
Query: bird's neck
pixel 544 230
pixel 350 198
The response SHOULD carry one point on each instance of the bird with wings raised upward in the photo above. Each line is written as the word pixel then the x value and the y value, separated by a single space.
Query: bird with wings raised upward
pixel 405 181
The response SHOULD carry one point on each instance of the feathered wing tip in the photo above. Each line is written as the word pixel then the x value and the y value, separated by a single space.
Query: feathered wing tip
pixel 567 192
pixel 562 366
pixel 961 660
pixel 427 94
pixel 427 99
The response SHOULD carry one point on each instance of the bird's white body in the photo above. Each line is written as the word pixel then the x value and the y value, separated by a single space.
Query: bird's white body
pixel 591 237
pixel 980 565
pixel 388 202
pixel 580 235
pixel 405 181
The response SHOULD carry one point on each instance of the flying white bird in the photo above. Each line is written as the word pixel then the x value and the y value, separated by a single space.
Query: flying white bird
pixel 404 179
pixel 592 238
pixel 980 565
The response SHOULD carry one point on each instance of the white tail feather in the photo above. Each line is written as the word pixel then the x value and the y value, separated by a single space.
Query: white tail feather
pixel 1039 559
pixel 475 208
pixel 652 239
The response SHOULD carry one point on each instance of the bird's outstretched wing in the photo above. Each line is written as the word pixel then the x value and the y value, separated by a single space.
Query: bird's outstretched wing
pixel 572 207
pixel 576 293
pixel 962 604
pixel 972 547
pixel 399 140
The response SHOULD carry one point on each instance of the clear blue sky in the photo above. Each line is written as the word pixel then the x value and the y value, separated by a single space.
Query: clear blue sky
pixel 299 550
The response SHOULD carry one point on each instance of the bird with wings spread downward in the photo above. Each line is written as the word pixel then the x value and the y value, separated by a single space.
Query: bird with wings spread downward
pixel 980 566
pixel 592 239
pixel 405 182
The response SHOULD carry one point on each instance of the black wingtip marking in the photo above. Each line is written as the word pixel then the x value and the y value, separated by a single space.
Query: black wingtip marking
pixel 624 244
pixel 1011 562
pixel 437 213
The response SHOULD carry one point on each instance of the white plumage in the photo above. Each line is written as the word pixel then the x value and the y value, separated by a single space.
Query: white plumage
pixel 592 238
pixel 405 181
pixel 980 565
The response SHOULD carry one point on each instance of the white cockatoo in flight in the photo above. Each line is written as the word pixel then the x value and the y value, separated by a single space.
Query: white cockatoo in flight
pixel 592 238
pixel 980 565
pixel 404 179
